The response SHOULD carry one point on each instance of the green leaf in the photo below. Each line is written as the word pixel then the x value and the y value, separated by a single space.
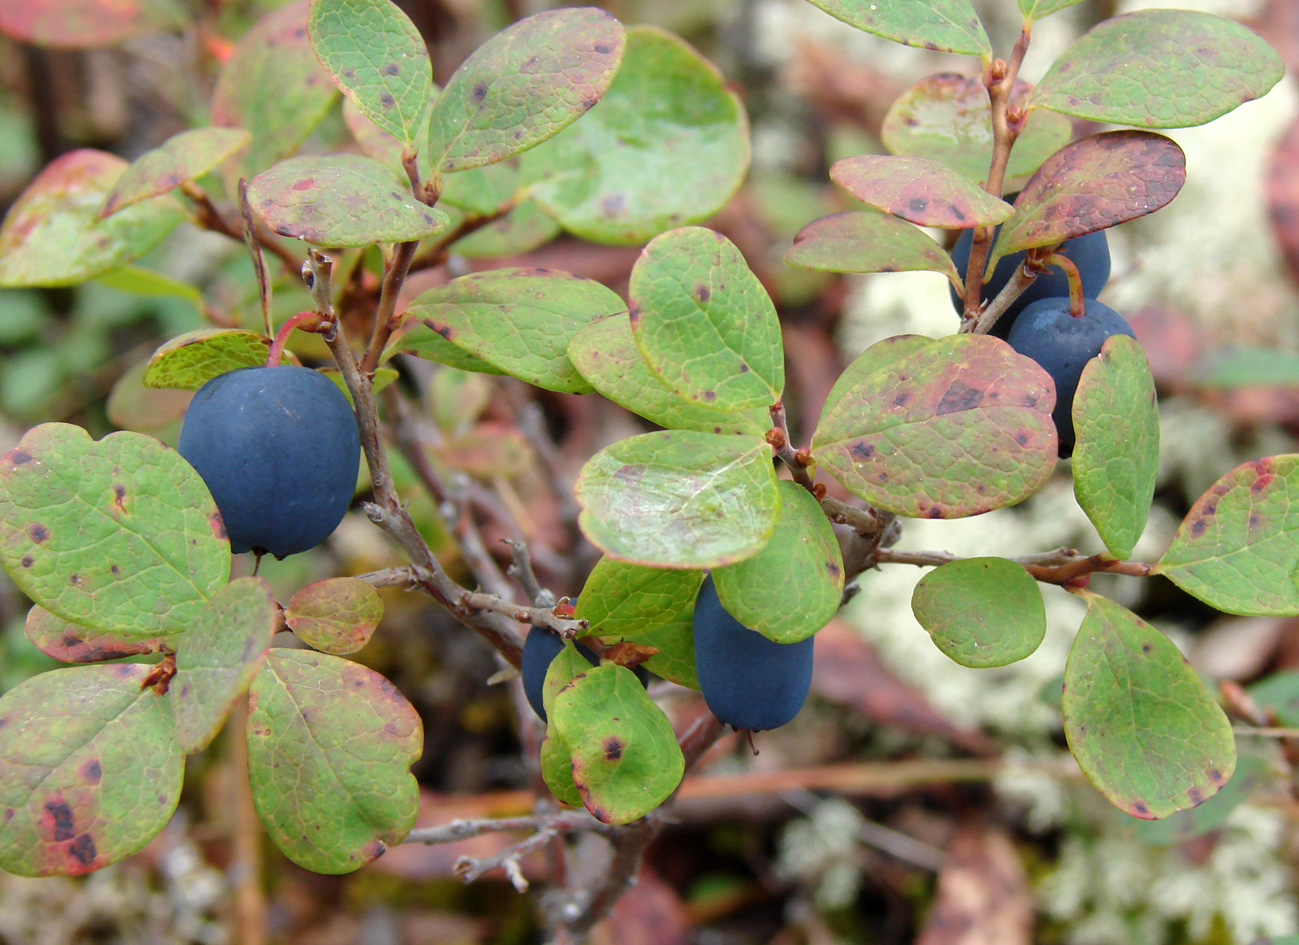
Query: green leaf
pixel 626 760
pixel 1252 771
pixel 868 242
pixel 1091 184
pixel 620 599
pixel 273 86
pixel 89 769
pixel 520 231
pixel 73 643
pixel 1036 9
pixel 1279 693
pixel 151 284
pixel 679 499
pixel 1159 69
pixel 792 587
pixel 947 117
pixel 341 200
pixel 1138 719
pixel 981 611
pixel 605 353
pixel 119 535
pixel 524 85
pixel 568 662
pixel 86 24
pixel 181 158
pixel 189 361
pixel 668 145
pixel 703 322
pixel 217 658
pixel 952 427
pixel 1238 547
pixel 53 234
pixel 519 320
pixel 336 615
pixel 423 342
pixel 939 25
pixel 378 144
pixel 675 642
pixel 920 190
pixel 557 768
pixel 330 745
pixel 1116 416
pixel 377 58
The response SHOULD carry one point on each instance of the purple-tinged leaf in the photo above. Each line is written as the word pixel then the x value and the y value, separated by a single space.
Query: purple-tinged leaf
pixel 919 190
pixel 336 615
pixel 73 643
pixel 179 159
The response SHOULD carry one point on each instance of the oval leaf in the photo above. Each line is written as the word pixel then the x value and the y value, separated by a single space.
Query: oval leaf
pixel 703 322
pixel 605 353
pixel 86 24
pixel 1159 69
pixel 1138 719
pixel 524 85
pixel 89 769
pixel 625 756
pixel 377 58
pixel 621 599
pixel 868 242
pixel 981 611
pixel 939 25
pixel 1238 547
pixel 74 516
pixel 189 361
pixel 341 200
pixel 557 769
pixel 330 744
pixel 1091 184
pixel 919 190
pixel 1116 417
pixel 679 499
pixel 792 587
pixel 423 342
pixel 53 234
pixel 336 615
pixel 273 86
pixel 73 643
pixel 179 159
pixel 520 320
pixel 947 117
pixel 217 658
pixel 952 427
pixel 668 145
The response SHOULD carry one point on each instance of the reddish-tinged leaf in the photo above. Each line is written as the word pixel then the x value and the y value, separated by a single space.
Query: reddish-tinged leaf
pixel 940 429
pixel 73 643
pixel 919 190
pixel 336 615
pixel 1091 184
pixel 273 86
pixel 89 769
pixel 946 117
pixel 868 242
pixel 180 158
pixel 85 24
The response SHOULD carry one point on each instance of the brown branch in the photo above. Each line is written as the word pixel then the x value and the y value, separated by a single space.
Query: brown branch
pixel 1069 573
pixel 539 616
pixel 210 218
pixel 384 322
pixel 797 460
pixel 563 822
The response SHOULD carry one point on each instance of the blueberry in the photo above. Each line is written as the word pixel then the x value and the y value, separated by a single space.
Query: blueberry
pixel 1090 253
pixel 747 680
pixel 1062 345
pixel 278 448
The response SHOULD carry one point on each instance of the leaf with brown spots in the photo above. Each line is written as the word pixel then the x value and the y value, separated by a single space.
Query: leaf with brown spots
pixel 939 429
pixel 919 190
pixel 330 745
pixel 868 242
pixel 938 25
pixel 1139 720
pixel 217 658
pixel 336 615
pixel 376 56
pixel 625 756
pixel 341 200
pixel 1091 184
pixel 73 643
pixel 524 85
pixel 792 587
pixel 946 117
pixel 1159 69
pixel 119 532
pixel 179 159
pixel 1238 547
pixel 89 769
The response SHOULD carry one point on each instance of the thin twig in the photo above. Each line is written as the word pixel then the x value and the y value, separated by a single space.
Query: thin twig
pixel 538 616
pixel 255 250
pixel 391 577
pixel 209 217
pixel 470 869
pixel 797 460
pixel 563 822
pixel 521 570
pixel 1070 573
